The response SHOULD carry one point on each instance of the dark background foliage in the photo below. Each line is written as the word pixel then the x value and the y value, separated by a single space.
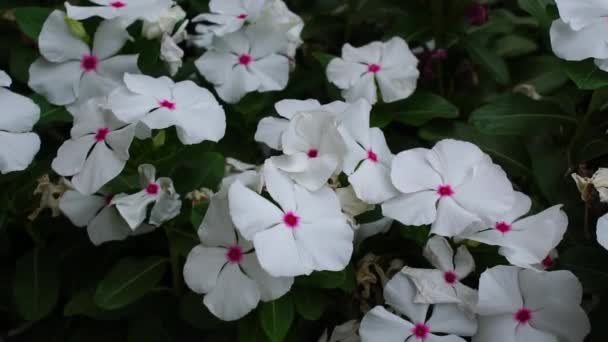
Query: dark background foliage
pixel 56 286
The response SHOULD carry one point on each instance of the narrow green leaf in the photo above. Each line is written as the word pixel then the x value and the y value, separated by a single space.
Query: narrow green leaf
pixel 276 318
pixel 36 284
pixel 520 115
pixel 514 46
pixel 586 74
pixel 310 303
pixel 128 281
pixel 488 60
pixel 538 9
pixel 31 20
pixel 416 110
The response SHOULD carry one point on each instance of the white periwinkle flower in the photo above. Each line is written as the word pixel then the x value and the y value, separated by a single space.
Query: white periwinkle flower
pixel 391 65
pixel 249 60
pixel 225 267
pixel 518 305
pixel 306 232
pixel 276 14
pixel 126 10
pixel 451 186
pixel 97 213
pixel 602 231
pixel 98 149
pixel 165 24
pixel 69 70
pixel 527 241
pixel 229 16
pixel 446 319
pixel 443 284
pixel 345 332
pixel 160 192
pixel 160 103
pixel 18 145
pixel 581 31
pixel 170 52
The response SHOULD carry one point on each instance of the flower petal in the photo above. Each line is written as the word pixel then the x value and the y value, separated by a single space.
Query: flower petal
pixel 270 131
pixel 58 83
pixel 381 325
pixel 251 213
pixel 327 244
pixel 17 150
pixel 56 42
pixel 499 292
pixel 80 209
pixel 72 155
pixel 372 183
pixel 415 209
pixel 364 88
pixel 279 254
pixel 101 166
pixel 399 292
pixel 272 72
pixel 234 295
pixel 270 287
pixel 449 319
pixel 411 172
pixel 202 268
pixel 109 38
pixel 107 226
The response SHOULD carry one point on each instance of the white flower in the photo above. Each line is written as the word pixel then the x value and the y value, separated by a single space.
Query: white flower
pixel 98 149
pixel 69 70
pixel 134 208
pixel 276 14
pixel 229 16
pixel 165 24
pixel 443 284
pixel 581 31
pixel 245 61
pixel 345 332
pixel 351 205
pixel 18 145
pixel 523 241
pixel 368 164
pixel 451 186
pixel 101 218
pixel 308 232
pixel 602 231
pixel 160 103
pixel 600 182
pixel 548 262
pixel 518 305
pixel 381 325
pixel 170 52
pixel 127 10
pixel 392 65
pixel 313 149
pixel 370 229
pixel 225 267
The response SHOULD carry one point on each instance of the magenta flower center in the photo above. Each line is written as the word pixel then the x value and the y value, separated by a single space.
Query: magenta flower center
pixel 450 277
pixel 445 191
pixel 109 199
pixel 167 104
pixel 152 189
pixel 245 59
pixel 421 331
pixel 291 220
pixel 523 316
pixel 374 68
pixel 102 134
pixel 118 4
pixel 548 262
pixel 371 155
pixel 313 153
pixel 503 227
pixel 89 63
pixel 243 16
pixel 234 255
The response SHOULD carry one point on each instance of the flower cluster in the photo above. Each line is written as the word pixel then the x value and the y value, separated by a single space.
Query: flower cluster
pixel 301 209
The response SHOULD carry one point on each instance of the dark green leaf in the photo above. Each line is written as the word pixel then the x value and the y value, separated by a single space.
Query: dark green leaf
pixel 194 312
pixel 36 284
pixel 586 74
pixel 128 281
pixel 323 58
pixel 589 264
pixel 416 110
pixel 538 9
pixel 488 60
pixel 49 113
pixel 520 115
pixel 276 318
pixel 31 20
pixel 310 304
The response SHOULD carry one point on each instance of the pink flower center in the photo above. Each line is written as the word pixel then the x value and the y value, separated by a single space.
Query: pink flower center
pixel 118 4
pixel 371 155
pixel 89 63
pixel 234 254
pixel 291 220
pixel 503 227
pixel 109 199
pixel 548 262
pixel 152 189
pixel 445 191
pixel 102 134
pixel 167 104
pixel 523 316
pixel 245 59
pixel 313 153
pixel 450 277
pixel 243 16
pixel 374 68
pixel 421 331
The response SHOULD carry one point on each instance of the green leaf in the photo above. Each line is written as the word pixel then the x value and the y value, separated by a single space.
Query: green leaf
pixel 520 115
pixel 329 280
pixel 488 60
pixel 538 9
pixel 323 58
pixel 194 312
pixel 149 329
pixel 128 281
pixel 49 113
pixel 310 304
pixel 31 20
pixel 514 46
pixel 250 330
pixel 36 284
pixel 416 110
pixel 586 74
pixel 545 73
pixel 198 170
pixel 276 318
pixel 589 264
pixel 20 61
